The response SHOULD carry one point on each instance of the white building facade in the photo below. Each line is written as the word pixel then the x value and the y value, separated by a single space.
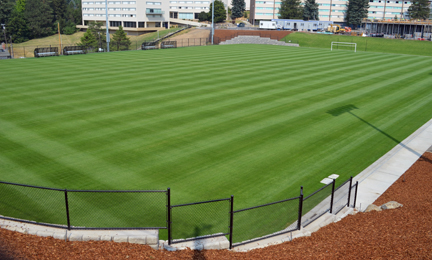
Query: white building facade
pixel 139 16
pixel 332 10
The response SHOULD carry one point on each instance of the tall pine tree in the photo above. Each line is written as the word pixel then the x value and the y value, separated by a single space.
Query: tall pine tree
pixel 419 9
pixel 120 41
pixel 310 10
pixel 17 27
pixel 238 7
pixel 291 9
pixel 356 11
pixel 219 13
pixel 39 16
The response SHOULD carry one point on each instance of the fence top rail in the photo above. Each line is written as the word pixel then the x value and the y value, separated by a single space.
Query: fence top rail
pixel 47 188
pixel 315 192
pixel 119 191
pixel 30 186
pixel 268 204
pixel 343 184
pixel 195 203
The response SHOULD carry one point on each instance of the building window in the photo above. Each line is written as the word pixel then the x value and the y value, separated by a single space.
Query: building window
pixel 141 24
pixel 115 23
pixel 130 24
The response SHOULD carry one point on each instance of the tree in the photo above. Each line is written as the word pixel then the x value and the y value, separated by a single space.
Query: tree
pixel 17 27
pixel 310 10
pixel 39 17
pixel 120 41
pixel 6 7
pixel 20 5
pixel 219 12
pixel 356 11
pixel 419 9
pixel 203 16
pixel 96 29
pixel 238 7
pixel 59 8
pixel 291 9
pixel 88 40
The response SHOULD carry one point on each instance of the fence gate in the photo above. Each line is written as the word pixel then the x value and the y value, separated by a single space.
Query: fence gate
pixel 199 220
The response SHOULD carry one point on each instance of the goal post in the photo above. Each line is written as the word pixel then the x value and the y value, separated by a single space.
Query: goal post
pixel 344 44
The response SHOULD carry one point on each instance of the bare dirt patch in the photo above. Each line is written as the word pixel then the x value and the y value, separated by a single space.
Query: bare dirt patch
pixel 193 34
pixel 403 233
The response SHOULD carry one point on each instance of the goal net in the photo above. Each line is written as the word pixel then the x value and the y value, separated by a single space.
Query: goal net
pixel 344 46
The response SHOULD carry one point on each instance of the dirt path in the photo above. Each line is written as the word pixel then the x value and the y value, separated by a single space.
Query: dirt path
pixel 193 34
pixel 403 233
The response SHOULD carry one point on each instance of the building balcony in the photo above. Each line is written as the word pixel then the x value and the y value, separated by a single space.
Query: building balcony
pixel 157 12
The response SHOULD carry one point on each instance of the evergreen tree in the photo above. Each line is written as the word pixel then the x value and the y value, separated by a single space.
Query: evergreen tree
pixel 6 7
pixel 100 34
pixel 20 5
pixel 39 16
pixel 310 10
pixel 356 11
pixel 238 7
pixel 88 40
pixel 120 41
pixel 219 12
pixel 59 8
pixel 203 16
pixel 420 9
pixel 291 9
pixel 17 27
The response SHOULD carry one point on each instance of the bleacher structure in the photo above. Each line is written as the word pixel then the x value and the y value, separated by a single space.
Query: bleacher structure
pixel 46 51
pixel 168 44
pixel 71 50
pixel 149 45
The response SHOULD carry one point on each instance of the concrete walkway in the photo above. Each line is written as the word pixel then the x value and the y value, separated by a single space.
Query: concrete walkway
pixel 379 176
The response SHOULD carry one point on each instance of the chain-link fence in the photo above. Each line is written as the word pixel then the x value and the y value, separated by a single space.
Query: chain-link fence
pixel 353 195
pixel 45 206
pixel 96 209
pixel 81 209
pixel 340 196
pixel 200 219
pixel 120 209
pixel 316 204
pixel 266 220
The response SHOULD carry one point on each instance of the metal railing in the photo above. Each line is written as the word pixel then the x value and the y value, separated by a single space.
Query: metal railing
pixel 152 209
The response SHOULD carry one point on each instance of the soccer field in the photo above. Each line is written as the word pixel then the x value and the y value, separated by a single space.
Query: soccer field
pixel 255 121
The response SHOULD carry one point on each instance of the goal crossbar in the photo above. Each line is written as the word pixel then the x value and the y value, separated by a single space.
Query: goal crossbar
pixel 344 44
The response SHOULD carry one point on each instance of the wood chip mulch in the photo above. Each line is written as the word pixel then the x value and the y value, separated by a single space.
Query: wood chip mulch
pixel 403 233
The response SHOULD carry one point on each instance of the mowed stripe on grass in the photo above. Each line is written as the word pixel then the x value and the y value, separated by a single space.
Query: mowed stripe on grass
pixel 207 121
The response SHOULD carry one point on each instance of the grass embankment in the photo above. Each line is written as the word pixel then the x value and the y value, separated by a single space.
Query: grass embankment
pixel 169 118
pixel 26 49
pixel 370 44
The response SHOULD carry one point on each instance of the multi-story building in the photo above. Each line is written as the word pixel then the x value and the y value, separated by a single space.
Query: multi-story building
pixel 331 10
pixel 140 16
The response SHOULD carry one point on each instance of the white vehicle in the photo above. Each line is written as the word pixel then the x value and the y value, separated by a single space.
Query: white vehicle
pixel 267 25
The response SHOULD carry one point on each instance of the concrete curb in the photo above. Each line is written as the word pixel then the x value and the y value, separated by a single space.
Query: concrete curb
pixel 143 237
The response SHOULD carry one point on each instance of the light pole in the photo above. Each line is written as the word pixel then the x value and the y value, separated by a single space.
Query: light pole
pixel 212 20
pixel 4 30
pixel 107 24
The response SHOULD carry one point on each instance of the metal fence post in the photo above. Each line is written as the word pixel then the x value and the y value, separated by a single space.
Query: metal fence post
pixel 349 192
pixel 169 215
pixel 300 209
pixel 67 209
pixel 231 222
pixel 355 194
pixel 332 196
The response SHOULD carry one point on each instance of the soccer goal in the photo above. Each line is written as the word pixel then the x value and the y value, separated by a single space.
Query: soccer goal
pixel 344 45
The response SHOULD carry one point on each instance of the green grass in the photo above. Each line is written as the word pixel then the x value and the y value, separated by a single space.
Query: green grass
pixel 369 44
pixel 177 118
